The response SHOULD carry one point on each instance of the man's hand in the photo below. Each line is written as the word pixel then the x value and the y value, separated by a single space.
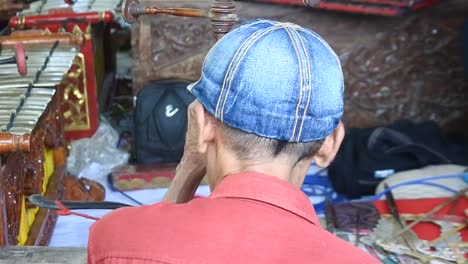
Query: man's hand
pixel 192 167
pixel 8 8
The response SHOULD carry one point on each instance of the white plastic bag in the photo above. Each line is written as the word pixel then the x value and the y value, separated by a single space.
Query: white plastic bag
pixel 95 157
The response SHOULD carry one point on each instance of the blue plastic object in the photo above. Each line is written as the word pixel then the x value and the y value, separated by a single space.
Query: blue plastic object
pixel 317 185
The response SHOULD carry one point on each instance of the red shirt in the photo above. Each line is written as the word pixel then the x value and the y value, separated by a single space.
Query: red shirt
pixel 249 218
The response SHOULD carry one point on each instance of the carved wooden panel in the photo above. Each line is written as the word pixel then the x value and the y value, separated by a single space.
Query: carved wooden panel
pixel 170 47
pixel 13 172
pixel 413 71
pixel 3 216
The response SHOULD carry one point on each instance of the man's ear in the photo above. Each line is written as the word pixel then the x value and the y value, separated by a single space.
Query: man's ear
pixel 205 126
pixel 330 147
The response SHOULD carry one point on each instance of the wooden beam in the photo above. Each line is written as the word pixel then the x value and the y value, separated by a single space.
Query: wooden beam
pixel 42 255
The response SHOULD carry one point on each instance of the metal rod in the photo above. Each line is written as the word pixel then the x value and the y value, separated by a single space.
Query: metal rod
pixel 43 202
pixel 222 14
pixel 392 206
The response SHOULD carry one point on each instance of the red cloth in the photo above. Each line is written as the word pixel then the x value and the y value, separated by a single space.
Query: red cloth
pixel 427 230
pixel 249 218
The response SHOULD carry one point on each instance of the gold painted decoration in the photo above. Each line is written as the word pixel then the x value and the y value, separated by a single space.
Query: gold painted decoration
pixel 75 105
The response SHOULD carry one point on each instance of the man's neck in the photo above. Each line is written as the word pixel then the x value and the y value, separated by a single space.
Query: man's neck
pixel 278 168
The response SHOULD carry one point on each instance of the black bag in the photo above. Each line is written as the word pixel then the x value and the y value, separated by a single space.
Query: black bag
pixel 161 121
pixel 368 155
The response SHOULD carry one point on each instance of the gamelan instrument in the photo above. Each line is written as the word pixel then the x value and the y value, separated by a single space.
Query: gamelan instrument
pixel 81 108
pixel 223 18
pixel 32 145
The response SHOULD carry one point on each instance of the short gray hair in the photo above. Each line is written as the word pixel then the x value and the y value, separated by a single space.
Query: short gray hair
pixel 251 147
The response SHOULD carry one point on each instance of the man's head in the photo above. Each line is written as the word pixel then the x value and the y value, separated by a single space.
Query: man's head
pixel 270 99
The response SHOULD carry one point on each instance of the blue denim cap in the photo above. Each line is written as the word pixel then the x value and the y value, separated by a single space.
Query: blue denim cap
pixel 275 80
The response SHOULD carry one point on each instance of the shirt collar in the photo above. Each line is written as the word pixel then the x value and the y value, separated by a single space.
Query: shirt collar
pixel 267 189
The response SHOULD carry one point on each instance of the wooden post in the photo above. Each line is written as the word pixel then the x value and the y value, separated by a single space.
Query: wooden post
pixel 42 255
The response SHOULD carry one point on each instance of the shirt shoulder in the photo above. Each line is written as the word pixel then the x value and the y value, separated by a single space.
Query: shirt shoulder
pixel 159 232
pixel 218 230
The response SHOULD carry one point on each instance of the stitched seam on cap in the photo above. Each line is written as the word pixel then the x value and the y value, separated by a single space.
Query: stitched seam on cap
pixel 231 77
pixel 337 60
pixel 247 49
pixel 228 71
pixel 301 83
pixel 232 59
pixel 216 44
pixel 309 86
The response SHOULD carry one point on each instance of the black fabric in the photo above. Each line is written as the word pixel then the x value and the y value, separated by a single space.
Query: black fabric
pixel 161 121
pixel 404 145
